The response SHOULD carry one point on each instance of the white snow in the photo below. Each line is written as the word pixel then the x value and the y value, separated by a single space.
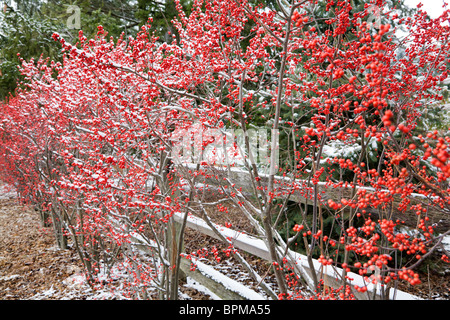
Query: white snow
pixel 227 282
pixel 191 283
pixel 11 277
pixel 446 243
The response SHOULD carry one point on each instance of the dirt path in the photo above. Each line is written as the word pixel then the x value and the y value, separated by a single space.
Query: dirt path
pixel 31 267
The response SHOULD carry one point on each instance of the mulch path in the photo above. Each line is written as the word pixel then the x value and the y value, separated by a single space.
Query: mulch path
pixel 31 266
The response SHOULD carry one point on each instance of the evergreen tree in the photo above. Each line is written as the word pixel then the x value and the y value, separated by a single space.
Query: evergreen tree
pixel 22 32
pixel 26 28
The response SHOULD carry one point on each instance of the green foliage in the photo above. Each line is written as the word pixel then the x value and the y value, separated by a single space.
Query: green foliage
pixel 28 36
pixel 26 28
pixel 115 16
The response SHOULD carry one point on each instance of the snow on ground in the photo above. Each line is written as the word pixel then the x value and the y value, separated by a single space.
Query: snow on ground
pixel 191 283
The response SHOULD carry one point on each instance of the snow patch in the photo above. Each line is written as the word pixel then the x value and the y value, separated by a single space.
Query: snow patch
pixel 191 283
pixel 227 282
pixel 11 277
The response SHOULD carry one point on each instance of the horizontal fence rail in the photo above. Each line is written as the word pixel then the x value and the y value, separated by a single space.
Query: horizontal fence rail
pixel 301 191
pixel 257 247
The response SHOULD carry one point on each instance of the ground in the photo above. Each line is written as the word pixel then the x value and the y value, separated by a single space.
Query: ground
pixel 32 267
